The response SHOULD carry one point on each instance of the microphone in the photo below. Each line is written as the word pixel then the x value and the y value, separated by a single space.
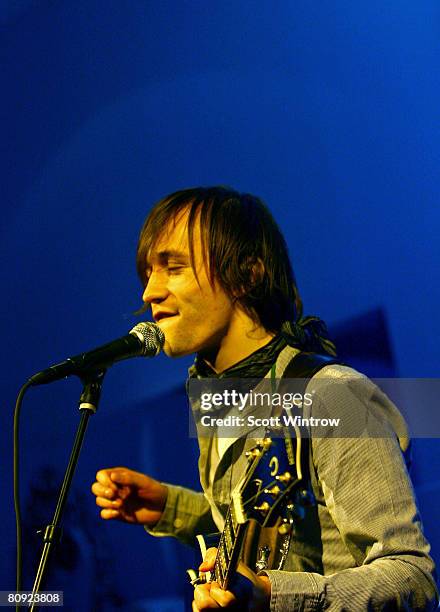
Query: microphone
pixel 144 340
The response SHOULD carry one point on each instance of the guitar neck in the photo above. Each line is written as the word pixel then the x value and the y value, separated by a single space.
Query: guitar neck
pixel 228 552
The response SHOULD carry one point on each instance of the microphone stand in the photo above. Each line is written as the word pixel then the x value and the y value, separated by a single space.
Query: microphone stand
pixel 88 405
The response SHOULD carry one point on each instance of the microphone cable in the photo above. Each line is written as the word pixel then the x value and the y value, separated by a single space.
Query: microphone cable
pixel 17 409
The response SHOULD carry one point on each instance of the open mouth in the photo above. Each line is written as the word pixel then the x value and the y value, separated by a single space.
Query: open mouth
pixel 160 316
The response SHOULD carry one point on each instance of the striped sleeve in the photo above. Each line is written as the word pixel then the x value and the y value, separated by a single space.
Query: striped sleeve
pixel 186 514
pixel 368 493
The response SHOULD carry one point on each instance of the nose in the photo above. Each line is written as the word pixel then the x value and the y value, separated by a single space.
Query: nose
pixel 156 289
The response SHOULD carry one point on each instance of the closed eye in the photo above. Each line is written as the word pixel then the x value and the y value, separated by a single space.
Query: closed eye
pixel 149 270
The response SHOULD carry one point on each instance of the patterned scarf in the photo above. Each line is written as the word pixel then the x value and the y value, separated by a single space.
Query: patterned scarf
pixel 307 334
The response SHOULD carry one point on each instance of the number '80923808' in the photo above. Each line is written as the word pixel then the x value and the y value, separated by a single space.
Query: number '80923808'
pixel 26 598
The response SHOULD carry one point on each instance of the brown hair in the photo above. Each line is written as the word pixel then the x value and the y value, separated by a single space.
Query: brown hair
pixel 242 246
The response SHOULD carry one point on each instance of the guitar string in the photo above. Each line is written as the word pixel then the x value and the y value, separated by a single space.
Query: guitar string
pixel 254 497
pixel 223 543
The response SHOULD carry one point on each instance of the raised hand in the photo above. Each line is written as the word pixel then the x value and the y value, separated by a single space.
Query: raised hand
pixel 129 496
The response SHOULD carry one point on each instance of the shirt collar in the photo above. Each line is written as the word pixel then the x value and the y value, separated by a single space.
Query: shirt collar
pixel 255 365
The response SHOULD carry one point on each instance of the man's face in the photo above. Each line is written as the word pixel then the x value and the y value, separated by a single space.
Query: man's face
pixel 194 316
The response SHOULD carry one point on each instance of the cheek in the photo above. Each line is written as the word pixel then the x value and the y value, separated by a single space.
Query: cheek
pixel 203 301
pixel 221 312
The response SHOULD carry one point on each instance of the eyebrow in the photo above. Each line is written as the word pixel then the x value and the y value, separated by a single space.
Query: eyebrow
pixel 170 254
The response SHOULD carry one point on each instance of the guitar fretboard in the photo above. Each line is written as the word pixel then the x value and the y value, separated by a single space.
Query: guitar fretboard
pixel 228 548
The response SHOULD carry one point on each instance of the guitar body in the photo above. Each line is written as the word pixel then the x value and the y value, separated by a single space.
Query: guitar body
pixel 260 545
pixel 265 547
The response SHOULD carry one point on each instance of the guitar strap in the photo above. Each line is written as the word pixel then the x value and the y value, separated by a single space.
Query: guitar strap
pixel 306 365
pixel 303 367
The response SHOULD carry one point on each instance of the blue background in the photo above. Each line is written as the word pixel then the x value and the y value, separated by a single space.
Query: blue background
pixel 329 111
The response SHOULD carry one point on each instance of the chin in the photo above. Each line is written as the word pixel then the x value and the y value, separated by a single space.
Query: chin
pixel 175 351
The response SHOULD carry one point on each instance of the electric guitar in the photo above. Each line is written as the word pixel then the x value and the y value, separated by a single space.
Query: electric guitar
pixel 272 493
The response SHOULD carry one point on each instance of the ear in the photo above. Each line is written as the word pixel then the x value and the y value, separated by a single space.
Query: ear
pixel 257 271
pixel 252 271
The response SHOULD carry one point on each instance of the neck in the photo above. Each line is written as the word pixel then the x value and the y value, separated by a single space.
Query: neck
pixel 242 338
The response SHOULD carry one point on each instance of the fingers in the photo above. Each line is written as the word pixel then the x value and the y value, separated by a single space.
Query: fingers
pixel 109 481
pixel 210 596
pixel 110 506
pixel 209 560
pixel 108 495
pixel 103 502
pixel 111 514
pixel 246 589
pixel 203 599
pixel 104 488
pixel 130 496
pixel 124 476
pixel 104 479
pixel 220 597
pixel 103 491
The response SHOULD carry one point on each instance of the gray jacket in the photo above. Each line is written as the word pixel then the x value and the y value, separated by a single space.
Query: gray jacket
pixel 361 547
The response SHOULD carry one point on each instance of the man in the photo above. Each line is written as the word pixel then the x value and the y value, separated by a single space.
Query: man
pixel 218 279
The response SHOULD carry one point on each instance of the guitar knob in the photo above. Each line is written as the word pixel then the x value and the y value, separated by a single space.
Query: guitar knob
pixel 264 508
pixel 252 454
pixel 284 478
pixel 266 444
pixel 274 491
